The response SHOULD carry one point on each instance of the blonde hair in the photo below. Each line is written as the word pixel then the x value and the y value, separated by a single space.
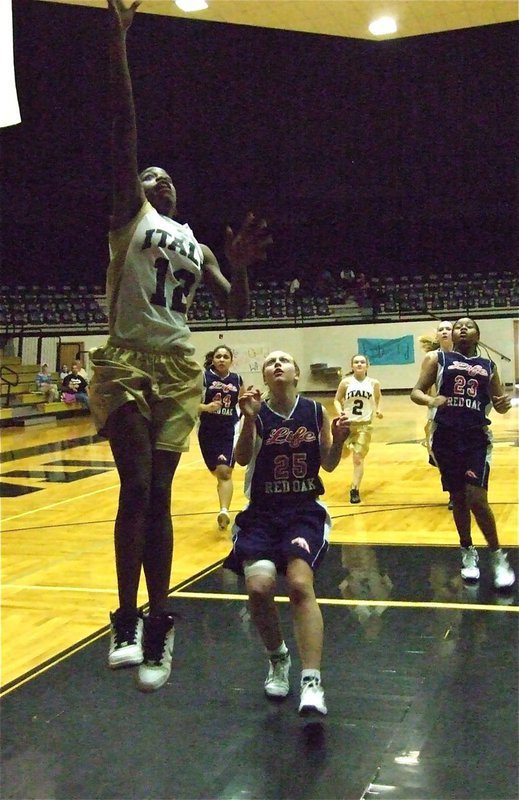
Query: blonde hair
pixel 429 341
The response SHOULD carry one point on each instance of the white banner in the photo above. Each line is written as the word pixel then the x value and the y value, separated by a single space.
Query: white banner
pixel 9 109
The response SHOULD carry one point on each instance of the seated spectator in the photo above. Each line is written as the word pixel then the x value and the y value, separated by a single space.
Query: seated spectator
pixel 362 291
pixel 294 287
pixel 63 372
pixel 81 370
pixel 46 384
pixel 347 275
pixel 75 388
pixel 324 284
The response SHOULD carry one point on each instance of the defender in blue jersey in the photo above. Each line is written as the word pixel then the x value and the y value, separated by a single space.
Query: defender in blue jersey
pixel 218 424
pixel 284 440
pixel 468 386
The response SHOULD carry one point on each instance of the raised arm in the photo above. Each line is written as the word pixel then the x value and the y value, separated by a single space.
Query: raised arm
pixel 128 195
pixel 242 250
pixel 250 404
pixel 500 399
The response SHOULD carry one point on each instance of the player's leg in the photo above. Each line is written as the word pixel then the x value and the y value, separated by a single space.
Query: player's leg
pixel 360 447
pixel 260 581
pixel 309 632
pixel 173 420
pixel 305 544
pixel 158 548
pixel 503 573
pixel 224 486
pixel 130 442
pixel 159 631
pixel 308 620
pixel 449 456
pixel 477 500
pixel 478 453
pixel 358 473
pixel 461 515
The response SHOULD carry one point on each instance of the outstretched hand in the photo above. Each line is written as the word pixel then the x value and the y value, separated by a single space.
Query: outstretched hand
pixel 249 244
pixel 120 15
pixel 340 428
pixel 250 402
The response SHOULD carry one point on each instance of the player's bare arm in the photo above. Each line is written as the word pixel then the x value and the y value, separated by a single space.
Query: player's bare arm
pixel 500 399
pixel 250 404
pixel 242 250
pixel 332 440
pixel 128 195
pixel 340 394
pixel 377 394
pixel 419 394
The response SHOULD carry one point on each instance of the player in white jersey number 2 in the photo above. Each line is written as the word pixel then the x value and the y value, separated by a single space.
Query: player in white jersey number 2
pixel 358 397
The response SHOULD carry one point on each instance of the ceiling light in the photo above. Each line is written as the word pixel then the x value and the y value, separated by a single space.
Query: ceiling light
pixel 191 5
pixel 382 25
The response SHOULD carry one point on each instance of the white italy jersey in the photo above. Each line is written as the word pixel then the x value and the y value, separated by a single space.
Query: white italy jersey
pixel 359 401
pixel 155 268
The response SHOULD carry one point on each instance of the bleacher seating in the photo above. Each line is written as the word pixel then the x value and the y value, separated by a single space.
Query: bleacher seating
pixel 19 399
pixel 32 310
pixel 35 309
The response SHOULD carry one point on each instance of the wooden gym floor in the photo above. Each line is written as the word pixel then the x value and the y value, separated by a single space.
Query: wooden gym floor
pixel 420 670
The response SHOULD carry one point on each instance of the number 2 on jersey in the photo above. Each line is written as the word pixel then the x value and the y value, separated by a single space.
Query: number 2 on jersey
pixel 358 405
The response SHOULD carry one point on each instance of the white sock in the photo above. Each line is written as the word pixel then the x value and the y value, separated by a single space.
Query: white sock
pixel 311 673
pixel 282 650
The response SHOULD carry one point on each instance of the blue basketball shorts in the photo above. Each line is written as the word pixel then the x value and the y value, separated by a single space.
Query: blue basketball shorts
pixel 462 456
pixel 280 534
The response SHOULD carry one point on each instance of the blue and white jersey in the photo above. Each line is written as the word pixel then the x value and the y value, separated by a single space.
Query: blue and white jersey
pixel 465 382
pixel 286 461
pixel 227 390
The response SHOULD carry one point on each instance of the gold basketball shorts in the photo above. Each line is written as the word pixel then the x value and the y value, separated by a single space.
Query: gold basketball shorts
pixel 167 389
pixel 359 438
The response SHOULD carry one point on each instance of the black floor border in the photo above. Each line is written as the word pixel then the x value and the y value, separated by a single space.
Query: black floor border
pixel 11 685
pixel 45 665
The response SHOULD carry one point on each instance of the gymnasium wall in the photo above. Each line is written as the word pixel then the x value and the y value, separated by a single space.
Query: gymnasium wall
pixel 334 345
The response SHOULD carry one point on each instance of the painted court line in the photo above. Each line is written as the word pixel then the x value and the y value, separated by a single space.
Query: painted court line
pixel 323 601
